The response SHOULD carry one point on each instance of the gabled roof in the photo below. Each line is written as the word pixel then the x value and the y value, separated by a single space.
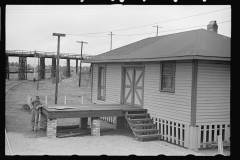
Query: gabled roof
pixel 195 44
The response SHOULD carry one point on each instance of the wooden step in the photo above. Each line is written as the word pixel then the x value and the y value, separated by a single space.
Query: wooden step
pixel 136 112
pixel 135 120
pixel 148 136
pixel 142 125
pixel 137 115
pixel 144 130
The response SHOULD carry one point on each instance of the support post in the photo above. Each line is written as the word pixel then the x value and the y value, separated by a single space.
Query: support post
pixel 120 122
pixel 42 68
pixel 65 99
pixel 83 123
pixel 26 69
pixel 76 66
pixel 68 67
pixel 22 68
pixel 53 71
pixel 193 138
pixel 7 68
pixel 46 99
pixel 51 128
pixel 192 129
pixel 57 73
pixel 95 129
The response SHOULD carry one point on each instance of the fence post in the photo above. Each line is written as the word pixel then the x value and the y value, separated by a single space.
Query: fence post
pixel 65 100
pixel 220 145
pixel 46 99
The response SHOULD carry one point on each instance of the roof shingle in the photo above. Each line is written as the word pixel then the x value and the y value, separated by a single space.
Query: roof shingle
pixel 184 44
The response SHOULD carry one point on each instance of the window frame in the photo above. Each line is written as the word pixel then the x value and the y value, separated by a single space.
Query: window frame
pixel 102 97
pixel 172 90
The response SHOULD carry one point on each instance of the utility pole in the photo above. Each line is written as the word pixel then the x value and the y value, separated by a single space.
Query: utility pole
pixel 157 29
pixel 38 73
pixel 80 70
pixel 34 68
pixel 111 40
pixel 57 73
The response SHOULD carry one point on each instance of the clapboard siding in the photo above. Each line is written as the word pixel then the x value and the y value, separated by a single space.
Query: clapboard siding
pixel 213 93
pixel 113 84
pixel 170 106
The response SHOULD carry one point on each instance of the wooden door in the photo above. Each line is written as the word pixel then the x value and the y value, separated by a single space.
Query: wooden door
pixel 133 86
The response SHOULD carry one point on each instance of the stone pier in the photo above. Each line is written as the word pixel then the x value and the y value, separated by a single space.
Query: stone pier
pixel 95 129
pixel 51 128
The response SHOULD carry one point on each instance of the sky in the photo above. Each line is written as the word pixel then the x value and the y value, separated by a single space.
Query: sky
pixel 31 27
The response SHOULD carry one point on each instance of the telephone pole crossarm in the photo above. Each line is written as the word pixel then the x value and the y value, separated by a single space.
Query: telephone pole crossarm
pixel 157 29
pixel 111 40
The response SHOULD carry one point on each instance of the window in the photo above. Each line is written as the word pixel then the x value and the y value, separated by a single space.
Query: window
pixel 167 76
pixel 102 83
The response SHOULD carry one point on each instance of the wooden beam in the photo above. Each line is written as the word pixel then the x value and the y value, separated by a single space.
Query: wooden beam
pixel 84 123
pixel 76 66
pixel 194 92
pixel 68 67
pixel 77 114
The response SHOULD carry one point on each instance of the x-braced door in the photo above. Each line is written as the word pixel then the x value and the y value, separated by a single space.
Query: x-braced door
pixel 133 86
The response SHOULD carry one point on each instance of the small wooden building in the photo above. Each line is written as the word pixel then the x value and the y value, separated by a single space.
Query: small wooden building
pixel 182 79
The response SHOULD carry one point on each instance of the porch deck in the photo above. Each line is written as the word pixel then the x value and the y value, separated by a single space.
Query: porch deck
pixel 87 110
pixel 54 112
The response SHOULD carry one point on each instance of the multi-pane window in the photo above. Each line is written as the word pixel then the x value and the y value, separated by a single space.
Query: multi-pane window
pixel 167 76
pixel 102 83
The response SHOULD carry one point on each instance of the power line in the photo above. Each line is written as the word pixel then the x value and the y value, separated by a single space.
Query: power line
pixel 168 30
pixel 153 23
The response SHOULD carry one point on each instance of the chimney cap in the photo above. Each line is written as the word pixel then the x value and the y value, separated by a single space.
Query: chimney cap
pixel 212 26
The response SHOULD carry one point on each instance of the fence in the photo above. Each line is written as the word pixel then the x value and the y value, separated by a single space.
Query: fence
pixel 112 120
pixel 179 134
pixel 172 132
pixel 209 133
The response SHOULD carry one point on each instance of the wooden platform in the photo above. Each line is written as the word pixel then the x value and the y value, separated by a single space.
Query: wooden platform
pixel 87 110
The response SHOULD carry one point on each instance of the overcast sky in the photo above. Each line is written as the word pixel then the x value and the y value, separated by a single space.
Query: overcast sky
pixel 31 27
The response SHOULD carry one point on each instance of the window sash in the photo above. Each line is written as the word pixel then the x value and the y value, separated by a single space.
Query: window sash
pixel 101 83
pixel 167 76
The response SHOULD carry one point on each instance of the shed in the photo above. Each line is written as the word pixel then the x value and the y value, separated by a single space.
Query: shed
pixel 182 79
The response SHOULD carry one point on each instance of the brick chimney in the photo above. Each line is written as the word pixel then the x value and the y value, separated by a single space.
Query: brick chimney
pixel 212 26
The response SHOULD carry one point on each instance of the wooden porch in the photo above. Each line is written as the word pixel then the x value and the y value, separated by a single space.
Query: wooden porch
pixel 87 110
pixel 95 111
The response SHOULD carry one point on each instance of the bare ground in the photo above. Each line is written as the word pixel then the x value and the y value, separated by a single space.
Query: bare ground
pixel 23 141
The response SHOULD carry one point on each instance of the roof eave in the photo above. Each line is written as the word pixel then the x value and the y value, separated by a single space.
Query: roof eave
pixel 159 59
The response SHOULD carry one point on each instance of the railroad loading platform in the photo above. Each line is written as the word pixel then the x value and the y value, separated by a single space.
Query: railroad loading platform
pixel 95 111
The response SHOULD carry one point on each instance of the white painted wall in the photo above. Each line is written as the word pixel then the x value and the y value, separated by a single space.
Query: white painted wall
pixel 113 84
pixel 169 106
pixel 213 93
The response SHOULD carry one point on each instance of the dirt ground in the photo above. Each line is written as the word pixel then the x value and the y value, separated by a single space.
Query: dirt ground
pixel 23 141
